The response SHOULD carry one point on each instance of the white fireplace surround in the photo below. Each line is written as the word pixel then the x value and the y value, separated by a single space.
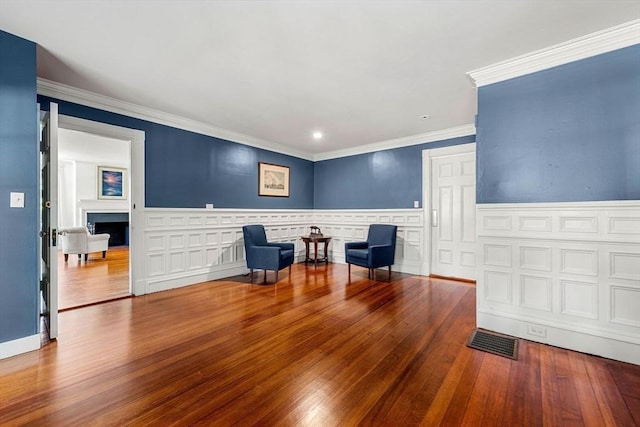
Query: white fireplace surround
pixel 100 206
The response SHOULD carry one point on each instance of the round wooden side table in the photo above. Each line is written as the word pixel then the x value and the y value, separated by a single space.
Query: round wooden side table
pixel 315 239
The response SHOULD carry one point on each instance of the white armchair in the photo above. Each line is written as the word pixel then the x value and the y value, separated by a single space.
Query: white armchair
pixel 78 240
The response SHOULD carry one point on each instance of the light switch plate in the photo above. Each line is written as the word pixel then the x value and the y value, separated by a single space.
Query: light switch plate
pixel 416 203
pixel 17 200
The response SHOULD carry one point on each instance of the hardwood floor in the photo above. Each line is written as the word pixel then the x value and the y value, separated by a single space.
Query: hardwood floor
pixel 316 349
pixel 98 279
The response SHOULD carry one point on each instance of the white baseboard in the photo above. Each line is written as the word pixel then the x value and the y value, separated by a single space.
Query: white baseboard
pixel 19 346
pixel 616 349
pixel 167 283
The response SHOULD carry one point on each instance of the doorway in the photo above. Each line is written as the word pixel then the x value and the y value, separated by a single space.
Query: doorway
pixel 449 192
pixel 133 256
pixel 81 157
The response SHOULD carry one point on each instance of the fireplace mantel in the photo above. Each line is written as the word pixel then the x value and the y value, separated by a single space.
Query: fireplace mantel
pixel 95 205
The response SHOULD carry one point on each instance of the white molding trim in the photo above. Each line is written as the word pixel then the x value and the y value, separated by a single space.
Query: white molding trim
pixel 19 346
pixel 593 44
pixel 94 100
pixel 101 102
pixel 612 347
pixel 596 204
pixel 424 138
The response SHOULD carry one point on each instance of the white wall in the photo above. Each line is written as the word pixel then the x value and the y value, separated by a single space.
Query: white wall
pixel 79 155
pixel 66 193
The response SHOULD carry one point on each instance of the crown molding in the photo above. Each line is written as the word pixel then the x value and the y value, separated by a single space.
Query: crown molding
pixel 423 138
pixel 593 44
pixel 94 100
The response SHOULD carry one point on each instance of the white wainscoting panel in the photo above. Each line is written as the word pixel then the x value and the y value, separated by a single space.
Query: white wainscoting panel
pixel 188 246
pixel 353 225
pixel 566 274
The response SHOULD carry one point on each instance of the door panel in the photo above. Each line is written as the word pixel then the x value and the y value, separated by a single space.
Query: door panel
pixel 453 196
pixel 49 220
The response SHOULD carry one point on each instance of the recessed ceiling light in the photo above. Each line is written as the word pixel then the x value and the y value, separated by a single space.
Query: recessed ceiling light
pixel 425 116
pixel 317 135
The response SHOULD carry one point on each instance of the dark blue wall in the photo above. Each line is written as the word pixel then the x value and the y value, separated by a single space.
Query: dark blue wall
pixel 18 172
pixel 188 170
pixel 570 133
pixel 388 179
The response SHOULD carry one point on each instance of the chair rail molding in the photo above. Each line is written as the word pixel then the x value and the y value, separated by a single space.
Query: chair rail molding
pixel 565 274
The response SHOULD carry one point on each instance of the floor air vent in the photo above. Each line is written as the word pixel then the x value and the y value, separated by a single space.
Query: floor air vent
pixel 495 343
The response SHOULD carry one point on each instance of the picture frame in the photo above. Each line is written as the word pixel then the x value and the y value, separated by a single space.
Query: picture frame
pixel 273 180
pixel 112 183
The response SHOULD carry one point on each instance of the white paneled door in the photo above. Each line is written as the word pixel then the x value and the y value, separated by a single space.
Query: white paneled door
pixel 451 186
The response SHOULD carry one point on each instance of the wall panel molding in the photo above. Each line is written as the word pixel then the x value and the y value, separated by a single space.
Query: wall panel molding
pixel 187 246
pixel 563 274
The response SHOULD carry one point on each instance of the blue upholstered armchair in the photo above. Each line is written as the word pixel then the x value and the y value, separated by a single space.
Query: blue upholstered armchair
pixel 378 251
pixel 263 255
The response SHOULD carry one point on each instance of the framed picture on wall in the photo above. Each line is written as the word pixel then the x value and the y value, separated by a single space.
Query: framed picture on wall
pixel 273 180
pixel 112 183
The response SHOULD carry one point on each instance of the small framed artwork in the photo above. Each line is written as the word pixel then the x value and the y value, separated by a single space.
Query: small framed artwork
pixel 273 180
pixel 112 183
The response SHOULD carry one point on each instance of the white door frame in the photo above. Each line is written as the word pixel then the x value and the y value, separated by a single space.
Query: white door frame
pixel 426 194
pixel 136 195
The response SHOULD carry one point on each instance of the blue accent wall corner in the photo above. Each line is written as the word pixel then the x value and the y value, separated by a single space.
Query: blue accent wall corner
pixel 18 173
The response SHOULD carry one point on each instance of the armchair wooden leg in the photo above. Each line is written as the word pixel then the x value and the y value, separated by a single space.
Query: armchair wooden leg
pixel 389 273
pixel 265 276
pixel 79 256
pixel 66 257
pixel 276 276
pixel 251 274
pixel 349 269
pixel 86 257
pixel 104 254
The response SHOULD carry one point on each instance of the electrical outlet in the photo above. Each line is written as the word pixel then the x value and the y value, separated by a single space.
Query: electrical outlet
pixel 416 203
pixel 209 206
pixel 539 331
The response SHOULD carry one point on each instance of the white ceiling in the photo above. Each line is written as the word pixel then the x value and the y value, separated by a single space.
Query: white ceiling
pixel 90 148
pixel 362 72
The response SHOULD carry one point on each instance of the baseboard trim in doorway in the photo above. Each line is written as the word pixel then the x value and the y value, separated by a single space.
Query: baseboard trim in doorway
pixel 95 303
pixel 455 279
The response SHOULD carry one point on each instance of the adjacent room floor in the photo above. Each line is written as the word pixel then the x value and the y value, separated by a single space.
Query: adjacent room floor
pixel 98 279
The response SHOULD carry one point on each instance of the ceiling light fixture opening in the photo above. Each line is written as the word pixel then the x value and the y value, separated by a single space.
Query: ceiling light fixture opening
pixel 425 116
pixel 317 135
